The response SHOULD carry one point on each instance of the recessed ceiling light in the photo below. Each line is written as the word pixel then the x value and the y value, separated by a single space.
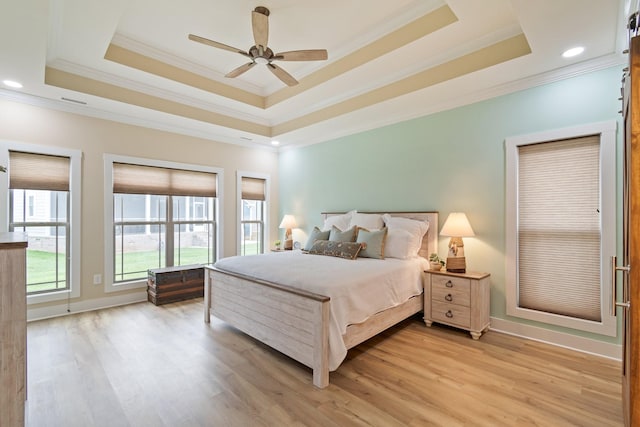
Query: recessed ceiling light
pixel 12 84
pixel 274 142
pixel 574 51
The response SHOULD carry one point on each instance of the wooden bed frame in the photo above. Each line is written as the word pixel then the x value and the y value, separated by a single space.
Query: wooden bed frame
pixel 296 322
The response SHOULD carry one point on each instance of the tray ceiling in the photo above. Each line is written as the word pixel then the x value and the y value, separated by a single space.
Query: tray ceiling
pixel 131 60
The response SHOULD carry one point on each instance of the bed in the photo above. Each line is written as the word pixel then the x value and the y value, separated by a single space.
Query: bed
pixel 266 298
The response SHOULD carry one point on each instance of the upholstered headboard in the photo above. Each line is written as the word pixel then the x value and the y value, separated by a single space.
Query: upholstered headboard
pixel 429 241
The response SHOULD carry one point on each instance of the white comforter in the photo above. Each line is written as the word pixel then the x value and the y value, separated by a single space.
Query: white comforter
pixel 358 288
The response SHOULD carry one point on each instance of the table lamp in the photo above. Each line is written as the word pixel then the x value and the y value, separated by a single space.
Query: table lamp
pixel 288 222
pixel 456 226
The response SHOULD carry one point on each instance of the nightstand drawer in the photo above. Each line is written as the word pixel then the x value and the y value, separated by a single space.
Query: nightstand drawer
pixel 451 313
pixel 455 295
pixel 448 283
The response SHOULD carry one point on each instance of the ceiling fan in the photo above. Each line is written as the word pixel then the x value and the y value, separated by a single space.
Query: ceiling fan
pixel 260 53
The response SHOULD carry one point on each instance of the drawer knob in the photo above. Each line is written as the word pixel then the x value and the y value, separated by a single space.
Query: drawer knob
pixel 449 284
pixel 449 314
pixel 448 297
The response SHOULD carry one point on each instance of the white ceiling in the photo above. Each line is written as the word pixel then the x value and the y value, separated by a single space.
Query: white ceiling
pixel 40 38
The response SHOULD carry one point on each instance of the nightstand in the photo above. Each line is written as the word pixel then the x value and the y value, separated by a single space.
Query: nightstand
pixel 461 300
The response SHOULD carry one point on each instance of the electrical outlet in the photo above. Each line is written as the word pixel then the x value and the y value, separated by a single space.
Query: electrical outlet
pixel 97 279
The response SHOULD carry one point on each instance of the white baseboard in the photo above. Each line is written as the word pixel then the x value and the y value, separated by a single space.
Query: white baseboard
pixel 585 345
pixel 80 306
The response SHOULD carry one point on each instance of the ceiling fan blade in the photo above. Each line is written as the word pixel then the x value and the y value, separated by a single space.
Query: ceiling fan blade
pixel 260 25
pixel 241 69
pixel 302 55
pixel 282 75
pixel 216 44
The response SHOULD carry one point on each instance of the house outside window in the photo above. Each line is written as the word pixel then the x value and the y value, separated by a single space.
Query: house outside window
pixel 252 196
pixel 42 190
pixel 163 214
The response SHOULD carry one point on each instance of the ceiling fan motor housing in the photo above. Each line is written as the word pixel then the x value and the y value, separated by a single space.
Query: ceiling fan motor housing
pixel 266 57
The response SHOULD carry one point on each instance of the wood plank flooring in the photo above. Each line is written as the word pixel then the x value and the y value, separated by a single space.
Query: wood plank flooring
pixel 142 365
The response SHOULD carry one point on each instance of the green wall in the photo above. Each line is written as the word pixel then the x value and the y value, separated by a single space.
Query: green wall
pixel 449 161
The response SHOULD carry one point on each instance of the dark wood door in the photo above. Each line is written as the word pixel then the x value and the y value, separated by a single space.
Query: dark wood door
pixel 630 300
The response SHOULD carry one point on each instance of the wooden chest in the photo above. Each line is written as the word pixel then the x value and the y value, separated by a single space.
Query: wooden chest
pixel 170 284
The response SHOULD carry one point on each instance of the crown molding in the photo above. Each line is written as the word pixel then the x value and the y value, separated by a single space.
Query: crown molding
pixel 417 67
pixel 72 68
pixel 311 138
pixel 203 131
pixel 576 70
pixel 143 49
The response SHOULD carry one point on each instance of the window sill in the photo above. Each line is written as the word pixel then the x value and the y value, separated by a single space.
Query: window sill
pixel 125 286
pixel 52 296
pixel 607 326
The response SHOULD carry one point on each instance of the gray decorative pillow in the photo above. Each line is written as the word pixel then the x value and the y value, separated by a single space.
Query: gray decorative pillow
pixel 338 235
pixel 316 234
pixel 373 242
pixel 347 250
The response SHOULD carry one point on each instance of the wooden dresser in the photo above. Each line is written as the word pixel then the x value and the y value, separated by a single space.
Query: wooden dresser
pixel 458 299
pixel 13 328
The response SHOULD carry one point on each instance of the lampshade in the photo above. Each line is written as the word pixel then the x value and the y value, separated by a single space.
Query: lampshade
pixel 457 225
pixel 288 221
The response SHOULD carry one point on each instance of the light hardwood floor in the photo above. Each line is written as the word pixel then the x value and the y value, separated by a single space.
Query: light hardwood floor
pixel 142 365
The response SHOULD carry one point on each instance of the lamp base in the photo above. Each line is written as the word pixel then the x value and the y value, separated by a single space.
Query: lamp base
pixel 288 245
pixel 456 264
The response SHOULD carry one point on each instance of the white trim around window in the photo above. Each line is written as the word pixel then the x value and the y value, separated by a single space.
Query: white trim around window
pixel 75 193
pixel 267 184
pixel 607 131
pixel 109 160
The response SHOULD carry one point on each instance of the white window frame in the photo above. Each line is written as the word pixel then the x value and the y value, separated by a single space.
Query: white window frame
pixel 109 160
pixel 607 131
pixel 75 226
pixel 267 183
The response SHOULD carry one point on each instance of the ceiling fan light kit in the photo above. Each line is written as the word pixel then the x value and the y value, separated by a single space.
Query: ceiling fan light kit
pixel 260 53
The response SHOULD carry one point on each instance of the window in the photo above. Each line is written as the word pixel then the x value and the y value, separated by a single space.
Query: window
pixel 561 227
pixel 252 213
pixel 42 190
pixel 161 214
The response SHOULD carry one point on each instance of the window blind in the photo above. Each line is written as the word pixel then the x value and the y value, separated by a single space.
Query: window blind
pixel 559 227
pixel 29 171
pixel 253 188
pixel 138 179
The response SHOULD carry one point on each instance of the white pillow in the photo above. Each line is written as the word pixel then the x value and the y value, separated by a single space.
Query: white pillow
pixel 340 221
pixel 416 228
pixel 369 221
pixel 399 244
